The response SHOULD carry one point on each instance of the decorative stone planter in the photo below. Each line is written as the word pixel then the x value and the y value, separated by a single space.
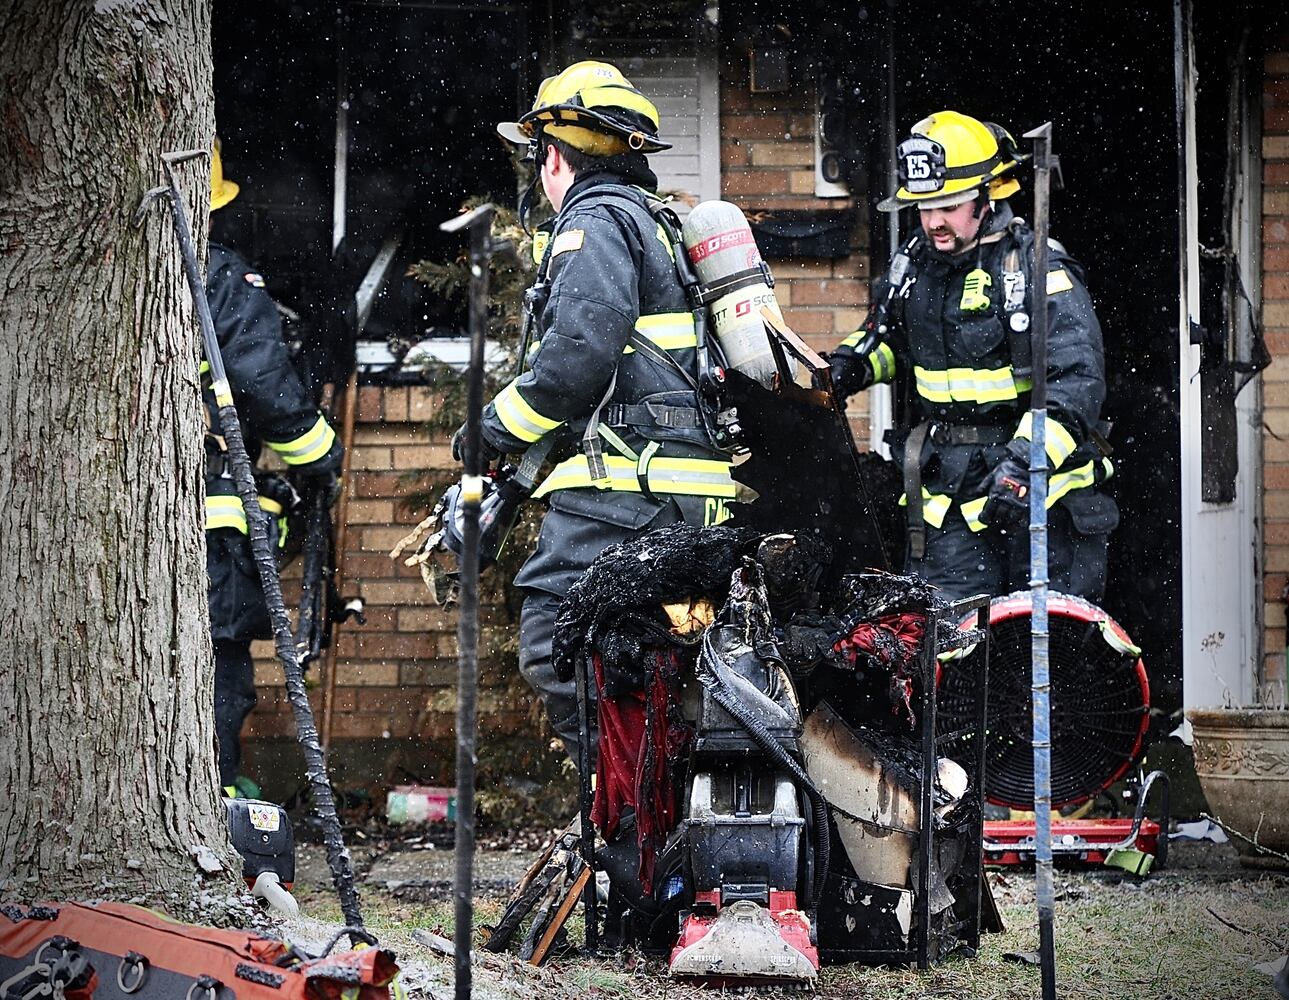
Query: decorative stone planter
pixel 1242 760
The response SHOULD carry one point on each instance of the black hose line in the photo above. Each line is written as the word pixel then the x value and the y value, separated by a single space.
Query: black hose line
pixel 338 860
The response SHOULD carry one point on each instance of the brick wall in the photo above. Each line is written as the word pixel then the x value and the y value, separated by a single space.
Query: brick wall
pixel 767 163
pixel 1275 318
pixel 396 675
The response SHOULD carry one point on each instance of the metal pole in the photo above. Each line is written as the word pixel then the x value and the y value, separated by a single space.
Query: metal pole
pixel 262 550
pixel 1041 685
pixel 479 225
pixel 340 165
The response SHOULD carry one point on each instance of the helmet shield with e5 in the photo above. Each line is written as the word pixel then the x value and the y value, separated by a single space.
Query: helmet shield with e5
pixel 947 160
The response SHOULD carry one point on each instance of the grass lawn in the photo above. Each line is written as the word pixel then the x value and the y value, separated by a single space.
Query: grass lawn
pixel 1117 937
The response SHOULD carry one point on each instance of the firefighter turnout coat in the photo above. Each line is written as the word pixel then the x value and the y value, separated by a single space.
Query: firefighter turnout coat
pixel 275 410
pixel 616 352
pixel 950 339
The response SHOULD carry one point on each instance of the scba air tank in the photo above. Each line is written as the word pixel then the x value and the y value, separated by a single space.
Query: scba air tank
pixel 736 285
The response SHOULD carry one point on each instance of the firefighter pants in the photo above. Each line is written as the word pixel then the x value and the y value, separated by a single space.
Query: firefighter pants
pixel 234 699
pixel 963 563
pixel 568 544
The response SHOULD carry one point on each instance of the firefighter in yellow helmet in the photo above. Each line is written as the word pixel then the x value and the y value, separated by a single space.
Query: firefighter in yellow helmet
pixel 951 318
pixel 611 387
pixel 274 410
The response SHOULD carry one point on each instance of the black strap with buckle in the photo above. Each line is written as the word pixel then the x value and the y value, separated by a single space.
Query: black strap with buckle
pixel 653 415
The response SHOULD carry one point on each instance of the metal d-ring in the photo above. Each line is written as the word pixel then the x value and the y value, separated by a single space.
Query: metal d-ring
pixel 132 960
pixel 207 983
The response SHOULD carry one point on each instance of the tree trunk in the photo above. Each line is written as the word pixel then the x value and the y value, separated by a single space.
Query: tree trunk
pixel 107 760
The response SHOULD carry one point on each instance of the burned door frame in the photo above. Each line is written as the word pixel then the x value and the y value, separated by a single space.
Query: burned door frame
pixel 1220 500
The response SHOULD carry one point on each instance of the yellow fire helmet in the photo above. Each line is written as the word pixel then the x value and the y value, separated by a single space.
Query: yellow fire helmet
pixel 592 107
pixel 221 191
pixel 948 158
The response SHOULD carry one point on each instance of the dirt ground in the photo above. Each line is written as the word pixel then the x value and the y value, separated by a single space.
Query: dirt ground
pixel 1192 931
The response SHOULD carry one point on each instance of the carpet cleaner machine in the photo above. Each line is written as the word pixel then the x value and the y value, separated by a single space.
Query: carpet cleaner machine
pixel 771 785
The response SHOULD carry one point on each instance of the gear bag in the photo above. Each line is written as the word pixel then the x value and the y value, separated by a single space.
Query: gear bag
pixel 109 950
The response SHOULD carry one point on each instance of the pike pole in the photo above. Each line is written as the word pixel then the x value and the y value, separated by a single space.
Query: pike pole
pixel 478 224
pixel 342 873
pixel 1041 684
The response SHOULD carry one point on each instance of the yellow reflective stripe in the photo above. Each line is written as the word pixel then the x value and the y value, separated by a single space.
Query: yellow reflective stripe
pixel 971 513
pixel 662 238
pixel 1108 466
pixel 310 446
pixel 618 97
pixel 1058 485
pixel 520 419
pixel 225 512
pixel 1075 479
pixel 1059 443
pixel 934 506
pixel 667 331
pixel 699 477
pixel 966 385
pixel 204 367
pixel 882 360
pixel 854 339
pixel 1058 281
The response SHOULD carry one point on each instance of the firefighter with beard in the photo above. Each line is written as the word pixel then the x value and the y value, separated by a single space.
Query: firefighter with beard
pixel 274 410
pixel 611 385
pixel 951 316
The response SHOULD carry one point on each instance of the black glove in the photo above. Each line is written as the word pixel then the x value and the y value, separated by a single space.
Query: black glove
pixel 850 373
pixel 1007 505
pixel 320 487
pixel 488 455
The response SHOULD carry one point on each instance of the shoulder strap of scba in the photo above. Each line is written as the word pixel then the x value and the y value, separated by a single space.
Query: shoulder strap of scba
pixel 666 217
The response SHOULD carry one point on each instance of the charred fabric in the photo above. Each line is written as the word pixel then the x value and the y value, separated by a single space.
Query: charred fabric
pixel 760 761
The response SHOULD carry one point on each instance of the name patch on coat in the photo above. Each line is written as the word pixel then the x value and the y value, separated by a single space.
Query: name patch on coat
pixel 566 241
pixel 1058 281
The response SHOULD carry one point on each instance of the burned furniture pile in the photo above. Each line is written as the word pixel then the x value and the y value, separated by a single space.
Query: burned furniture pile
pixel 771 788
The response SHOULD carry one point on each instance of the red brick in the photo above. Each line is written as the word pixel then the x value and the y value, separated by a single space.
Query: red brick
pixel 394 645
pixel 1274 258
pixel 1275 286
pixel 735 154
pixel 1275 174
pixel 1276 89
pixel 755 127
pixel 1275 476
pixel 369 403
pixel 395 407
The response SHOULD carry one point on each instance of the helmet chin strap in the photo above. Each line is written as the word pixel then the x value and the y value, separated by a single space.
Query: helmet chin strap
pixel 529 196
pixel 983 204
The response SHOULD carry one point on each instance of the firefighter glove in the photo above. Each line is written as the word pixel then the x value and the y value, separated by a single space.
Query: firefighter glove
pixel 488 455
pixel 850 373
pixel 1008 503
pixel 321 487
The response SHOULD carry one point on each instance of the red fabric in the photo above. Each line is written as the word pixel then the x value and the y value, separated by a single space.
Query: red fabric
pixel 188 949
pixel 641 739
pixel 892 640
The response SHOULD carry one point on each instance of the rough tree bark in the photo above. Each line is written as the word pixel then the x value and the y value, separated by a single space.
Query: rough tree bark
pixel 107 761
